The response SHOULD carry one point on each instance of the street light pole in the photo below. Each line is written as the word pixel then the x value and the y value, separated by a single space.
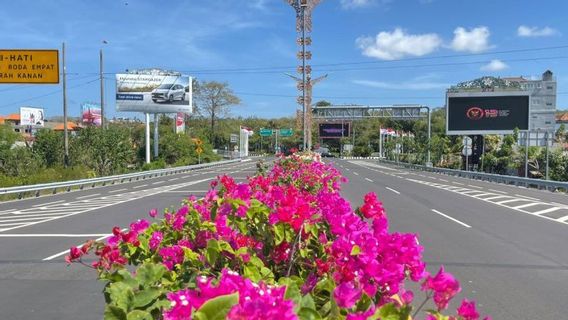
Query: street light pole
pixel 65 129
pixel 304 109
pixel 102 79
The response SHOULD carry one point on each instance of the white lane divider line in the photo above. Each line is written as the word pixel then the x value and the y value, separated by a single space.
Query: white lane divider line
pixel 546 210
pixel 511 200
pixel 173 179
pixel 119 190
pixel 140 186
pixel 520 195
pixel 89 196
pixel 50 235
pixel 472 186
pixel 451 218
pixel 158 182
pixel 48 203
pixel 498 191
pixel 443 180
pixel 458 183
pixel 79 246
pixel 496 197
pixel 355 173
pixel 369 180
pixel 391 189
pixel 528 205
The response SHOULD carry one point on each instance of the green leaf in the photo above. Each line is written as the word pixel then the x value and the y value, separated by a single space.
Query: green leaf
pixel 308 302
pixel 251 272
pixel 114 313
pixel 388 312
pixel 279 233
pixel 218 308
pixel 212 251
pixel 308 314
pixel 145 297
pixel 355 250
pixel 120 295
pixel 150 273
pixel 138 315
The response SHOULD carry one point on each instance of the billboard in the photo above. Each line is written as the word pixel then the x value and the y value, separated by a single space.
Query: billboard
pixel 153 93
pixel 474 113
pixel 29 66
pixel 31 116
pixel 180 122
pixel 333 130
pixel 91 114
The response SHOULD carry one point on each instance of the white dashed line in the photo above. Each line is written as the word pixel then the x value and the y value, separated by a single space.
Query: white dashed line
pixel 520 195
pixel 368 179
pixel 472 186
pixel 355 173
pixel 458 183
pixel 498 191
pixel 453 219
pixel 119 190
pixel 140 186
pixel 546 210
pixel 89 196
pixel 391 189
pixel 48 203
pixel 158 182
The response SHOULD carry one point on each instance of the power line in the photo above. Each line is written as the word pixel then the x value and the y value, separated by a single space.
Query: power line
pixel 27 86
pixel 47 94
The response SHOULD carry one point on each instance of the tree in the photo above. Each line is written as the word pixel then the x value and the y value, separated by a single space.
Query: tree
pixel 323 103
pixel 213 100
pixel 561 133
pixel 49 146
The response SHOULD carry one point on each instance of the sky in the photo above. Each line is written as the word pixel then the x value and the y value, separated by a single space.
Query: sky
pixel 375 52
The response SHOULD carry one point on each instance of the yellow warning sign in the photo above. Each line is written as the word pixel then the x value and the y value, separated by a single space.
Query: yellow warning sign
pixel 199 150
pixel 29 66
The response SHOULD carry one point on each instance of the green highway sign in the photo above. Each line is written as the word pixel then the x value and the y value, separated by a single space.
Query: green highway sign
pixel 265 132
pixel 286 132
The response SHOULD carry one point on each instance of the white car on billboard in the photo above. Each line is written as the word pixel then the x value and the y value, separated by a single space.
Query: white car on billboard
pixel 168 92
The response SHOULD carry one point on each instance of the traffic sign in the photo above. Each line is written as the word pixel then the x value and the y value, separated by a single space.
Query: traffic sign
pixel 197 141
pixel 265 132
pixel 286 132
pixel 466 141
pixel 234 138
pixel 467 152
pixel 199 150
pixel 29 66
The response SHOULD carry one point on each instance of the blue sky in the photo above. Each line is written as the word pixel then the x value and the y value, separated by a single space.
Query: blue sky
pixel 374 51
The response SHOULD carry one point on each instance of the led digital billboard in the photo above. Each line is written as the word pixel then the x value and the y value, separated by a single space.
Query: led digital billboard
pixel 333 130
pixel 486 113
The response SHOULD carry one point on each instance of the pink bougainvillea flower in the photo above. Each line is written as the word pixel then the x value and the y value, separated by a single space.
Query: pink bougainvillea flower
pixel 346 295
pixel 444 287
pixel 156 239
pixel 74 255
pixel 139 226
pixel 467 310
pixel 153 213
pixel 180 306
pixel 171 256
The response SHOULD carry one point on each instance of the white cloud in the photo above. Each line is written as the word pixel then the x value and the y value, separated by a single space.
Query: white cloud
pixel 526 31
pixel 409 85
pixel 474 40
pixel 495 65
pixel 398 44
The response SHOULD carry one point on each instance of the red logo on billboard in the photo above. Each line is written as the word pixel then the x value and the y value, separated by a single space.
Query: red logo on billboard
pixel 474 113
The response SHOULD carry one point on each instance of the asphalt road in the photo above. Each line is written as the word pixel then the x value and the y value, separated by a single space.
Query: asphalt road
pixel 35 235
pixel 506 245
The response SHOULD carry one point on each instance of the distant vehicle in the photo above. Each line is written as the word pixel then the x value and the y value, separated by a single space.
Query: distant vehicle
pixel 324 152
pixel 168 92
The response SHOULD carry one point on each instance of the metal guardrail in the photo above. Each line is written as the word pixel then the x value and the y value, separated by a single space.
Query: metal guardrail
pixel 67 185
pixel 509 180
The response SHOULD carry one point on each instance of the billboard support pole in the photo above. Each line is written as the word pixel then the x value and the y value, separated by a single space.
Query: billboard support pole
pixel 527 136
pixel 546 136
pixel 65 129
pixel 103 122
pixel 147 137
pixel 156 135
pixel 190 98
pixel 466 155
pixel 380 143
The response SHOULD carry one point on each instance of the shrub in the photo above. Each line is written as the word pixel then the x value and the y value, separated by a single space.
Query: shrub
pixel 284 245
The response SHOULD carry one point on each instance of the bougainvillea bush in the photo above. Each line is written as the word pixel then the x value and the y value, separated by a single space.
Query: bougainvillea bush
pixel 283 245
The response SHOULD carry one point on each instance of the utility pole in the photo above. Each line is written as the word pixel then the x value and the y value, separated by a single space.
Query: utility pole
pixel 65 130
pixel 527 136
pixel 102 89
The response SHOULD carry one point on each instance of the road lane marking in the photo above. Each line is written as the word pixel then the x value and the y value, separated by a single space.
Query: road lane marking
pixel 453 219
pixel 173 179
pixel 49 235
pixel 520 195
pixel 355 173
pixel 498 191
pixel 546 210
pixel 526 205
pixel 458 183
pixel 483 194
pixel 89 196
pixel 368 179
pixel 391 189
pixel 79 247
pixel 443 180
pixel 119 190
pixel 511 200
pixel 496 197
pixel 48 203
pixel 472 186
pixel 140 186
pixel 158 182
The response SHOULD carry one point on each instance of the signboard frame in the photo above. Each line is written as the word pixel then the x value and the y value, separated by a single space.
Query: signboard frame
pixel 35 113
pixel 23 52
pixel 488 95
pixel 346 128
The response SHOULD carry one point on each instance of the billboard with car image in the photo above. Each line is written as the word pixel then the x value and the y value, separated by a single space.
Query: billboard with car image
pixel 153 93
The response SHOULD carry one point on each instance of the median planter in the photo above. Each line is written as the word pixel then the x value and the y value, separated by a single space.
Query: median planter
pixel 283 245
